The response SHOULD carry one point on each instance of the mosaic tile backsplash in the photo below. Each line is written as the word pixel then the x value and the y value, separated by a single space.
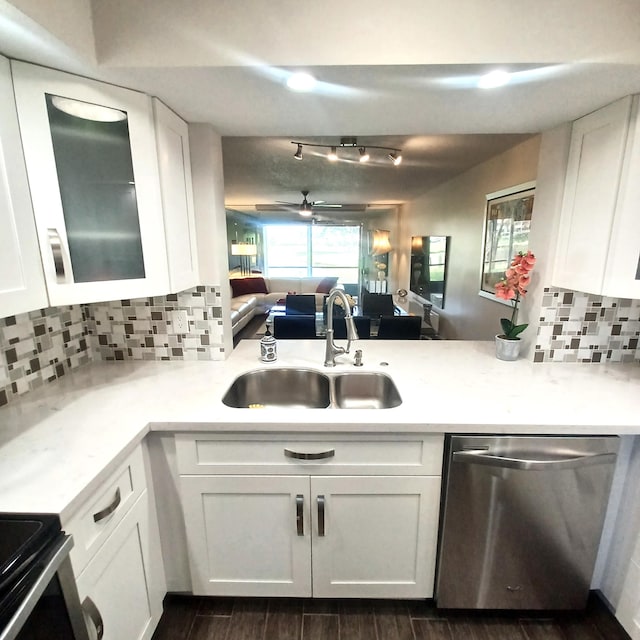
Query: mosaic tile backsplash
pixel 142 329
pixel 39 347
pixel 580 327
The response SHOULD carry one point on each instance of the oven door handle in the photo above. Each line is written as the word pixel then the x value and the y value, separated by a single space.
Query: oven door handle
pixel 90 608
pixel 56 559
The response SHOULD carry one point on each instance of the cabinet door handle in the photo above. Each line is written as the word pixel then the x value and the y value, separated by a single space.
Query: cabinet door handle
pixel 107 511
pixel 89 607
pixel 320 500
pixel 300 455
pixel 56 249
pixel 300 514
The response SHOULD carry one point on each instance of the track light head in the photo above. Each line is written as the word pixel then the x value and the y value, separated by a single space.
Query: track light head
pixel 332 155
pixel 395 157
pixel 364 156
pixel 298 154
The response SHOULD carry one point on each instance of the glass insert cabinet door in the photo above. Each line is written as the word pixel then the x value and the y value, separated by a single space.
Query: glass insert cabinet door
pixel 93 173
pixel 93 161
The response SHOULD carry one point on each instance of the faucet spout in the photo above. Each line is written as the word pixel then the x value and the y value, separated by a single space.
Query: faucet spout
pixel 331 349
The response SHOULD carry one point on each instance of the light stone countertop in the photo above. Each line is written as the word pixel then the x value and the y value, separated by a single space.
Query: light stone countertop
pixel 57 444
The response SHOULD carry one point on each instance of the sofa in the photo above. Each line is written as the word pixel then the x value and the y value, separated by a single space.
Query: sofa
pixel 257 294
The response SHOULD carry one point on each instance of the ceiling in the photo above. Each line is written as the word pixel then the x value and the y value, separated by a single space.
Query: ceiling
pixel 401 75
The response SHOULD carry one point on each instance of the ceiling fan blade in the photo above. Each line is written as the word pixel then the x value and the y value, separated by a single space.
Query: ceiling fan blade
pixel 285 206
pixel 322 205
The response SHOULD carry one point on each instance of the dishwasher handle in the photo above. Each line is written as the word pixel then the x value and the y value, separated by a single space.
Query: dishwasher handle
pixel 532 464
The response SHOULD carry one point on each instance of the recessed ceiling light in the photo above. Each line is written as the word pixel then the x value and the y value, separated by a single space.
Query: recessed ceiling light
pixel 301 82
pixel 497 78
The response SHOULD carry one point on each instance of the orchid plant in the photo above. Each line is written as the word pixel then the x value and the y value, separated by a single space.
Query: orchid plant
pixel 513 287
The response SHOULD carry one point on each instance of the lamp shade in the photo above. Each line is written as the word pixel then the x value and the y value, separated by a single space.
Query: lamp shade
pixel 380 242
pixel 243 249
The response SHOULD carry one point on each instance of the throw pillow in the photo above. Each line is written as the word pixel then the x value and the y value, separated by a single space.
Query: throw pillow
pixel 242 286
pixel 326 284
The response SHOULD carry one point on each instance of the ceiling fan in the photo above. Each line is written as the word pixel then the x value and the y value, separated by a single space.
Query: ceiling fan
pixel 306 208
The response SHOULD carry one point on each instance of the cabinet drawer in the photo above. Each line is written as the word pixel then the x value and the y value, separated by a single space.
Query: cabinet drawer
pixel 340 455
pixel 100 514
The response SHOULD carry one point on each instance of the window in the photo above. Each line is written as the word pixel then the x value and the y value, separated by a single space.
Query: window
pixel 312 250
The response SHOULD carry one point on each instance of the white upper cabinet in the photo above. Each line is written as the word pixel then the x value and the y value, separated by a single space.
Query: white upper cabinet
pixel 22 285
pixel 91 158
pixel 598 247
pixel 172 135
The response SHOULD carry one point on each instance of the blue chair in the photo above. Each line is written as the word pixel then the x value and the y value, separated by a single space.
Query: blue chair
pixel 363 327
pixel 286 327
pixel 300 305
pixel 400 328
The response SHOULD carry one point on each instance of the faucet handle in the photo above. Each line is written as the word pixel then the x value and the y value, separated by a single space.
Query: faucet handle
pixel 358 358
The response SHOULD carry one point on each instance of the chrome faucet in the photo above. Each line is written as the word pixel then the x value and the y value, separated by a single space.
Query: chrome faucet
pixel 331 350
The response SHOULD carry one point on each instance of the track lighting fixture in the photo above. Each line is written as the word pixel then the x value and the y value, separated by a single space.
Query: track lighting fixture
pixel 395 155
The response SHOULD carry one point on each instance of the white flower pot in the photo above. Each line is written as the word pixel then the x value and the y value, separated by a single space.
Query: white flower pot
pixel 507 349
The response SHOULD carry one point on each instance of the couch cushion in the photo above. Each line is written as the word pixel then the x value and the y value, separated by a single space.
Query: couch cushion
pixel 242 286
pixel 326 284
pixel 284 285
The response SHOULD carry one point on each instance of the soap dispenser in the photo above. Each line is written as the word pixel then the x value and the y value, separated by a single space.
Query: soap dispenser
pixel 268 347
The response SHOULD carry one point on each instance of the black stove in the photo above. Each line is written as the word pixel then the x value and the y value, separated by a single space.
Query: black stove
pixel 26 544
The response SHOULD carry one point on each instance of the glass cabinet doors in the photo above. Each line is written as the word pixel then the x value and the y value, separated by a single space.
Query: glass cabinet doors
pixel 92 164
pixel 93 161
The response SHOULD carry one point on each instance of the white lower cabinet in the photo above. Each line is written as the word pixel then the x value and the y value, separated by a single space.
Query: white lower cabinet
pixel 378 538
pixel 311 532
pixel 119 598
pixel 117 559
pixel 243 538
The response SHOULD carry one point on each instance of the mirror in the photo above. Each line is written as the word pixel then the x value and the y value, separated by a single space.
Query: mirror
pixel 429 268
pixel 506 232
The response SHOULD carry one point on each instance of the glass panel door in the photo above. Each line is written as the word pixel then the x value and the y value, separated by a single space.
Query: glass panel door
pixel 93 161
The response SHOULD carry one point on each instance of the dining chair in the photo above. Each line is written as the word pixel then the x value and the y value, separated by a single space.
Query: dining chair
pixel 300 305
pixel 363 327
pixel 400 328
pixel 375 305
pixel 294 326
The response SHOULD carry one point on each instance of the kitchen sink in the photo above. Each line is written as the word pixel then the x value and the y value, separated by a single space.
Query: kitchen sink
pixel 264 388
pixel 306 388
pixel 365 391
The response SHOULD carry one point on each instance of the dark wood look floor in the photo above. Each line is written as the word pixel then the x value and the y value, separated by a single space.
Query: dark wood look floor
pixel 249 332
pixel 193 618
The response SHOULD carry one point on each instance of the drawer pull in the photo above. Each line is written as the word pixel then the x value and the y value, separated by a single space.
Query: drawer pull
pixel 320 516
pixel 107 511
pixel 300 514
pixel 56 249
pixel 89 607
pixel 299 455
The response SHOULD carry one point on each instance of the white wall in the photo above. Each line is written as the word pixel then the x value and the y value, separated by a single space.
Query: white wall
pixel 205 147
pixel 457 209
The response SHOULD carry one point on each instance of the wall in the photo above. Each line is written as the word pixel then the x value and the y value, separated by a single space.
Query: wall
pixel 457 209
pixel 39 347
pixel 581 327
pixel 141 329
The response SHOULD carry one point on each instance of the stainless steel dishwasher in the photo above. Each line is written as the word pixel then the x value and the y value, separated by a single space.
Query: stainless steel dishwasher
pixel 521 520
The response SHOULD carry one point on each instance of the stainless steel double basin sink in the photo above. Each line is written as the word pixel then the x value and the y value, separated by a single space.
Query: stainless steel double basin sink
pixel 310 389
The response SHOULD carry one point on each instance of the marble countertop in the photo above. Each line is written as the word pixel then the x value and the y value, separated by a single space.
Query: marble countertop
pixel 59 442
